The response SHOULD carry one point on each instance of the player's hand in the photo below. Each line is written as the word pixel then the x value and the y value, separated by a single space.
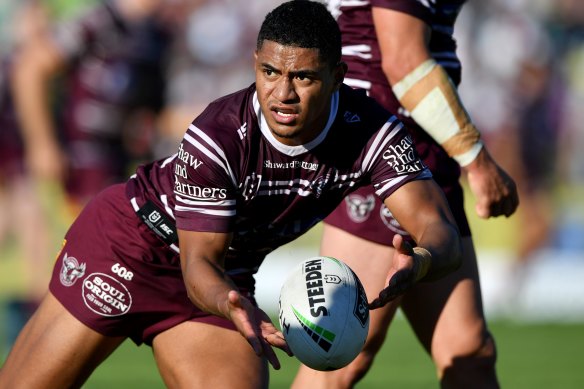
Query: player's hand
pixel 46 162
pixel 402 274
pixel 255 325
pixel 494 190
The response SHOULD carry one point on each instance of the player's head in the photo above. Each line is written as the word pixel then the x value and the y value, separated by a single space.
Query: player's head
pixel 305 24
pixel 298 68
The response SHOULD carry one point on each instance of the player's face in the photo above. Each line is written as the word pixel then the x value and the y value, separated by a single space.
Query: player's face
pixel 294 89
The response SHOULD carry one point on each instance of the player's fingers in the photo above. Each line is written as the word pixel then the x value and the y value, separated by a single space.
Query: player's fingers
pixel 244 323
pixel 277 340
pixel 397 241
pixel 512 203
pixel 482 210
pixel 400 244
pixel 375 304
pixel 496 208
pixel 380 300
pixel 271 356
pixel 385 296
pixel 256 344
pixel 271 337
pixel 275 337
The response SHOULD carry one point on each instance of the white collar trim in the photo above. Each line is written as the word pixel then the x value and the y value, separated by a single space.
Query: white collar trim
pixel 296 150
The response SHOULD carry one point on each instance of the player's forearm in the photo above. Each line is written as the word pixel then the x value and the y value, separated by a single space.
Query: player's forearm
pixel 433 102
pixel 441 243
pixel 30 91
pixel 208 287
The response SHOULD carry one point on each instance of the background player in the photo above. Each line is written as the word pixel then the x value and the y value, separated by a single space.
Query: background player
pixel 255 170
pixel 85 93
pixel 111 59
pixel 403 54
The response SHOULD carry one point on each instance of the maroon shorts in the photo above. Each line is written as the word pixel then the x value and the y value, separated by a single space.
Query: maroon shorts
pixel 118 278
pixel 363 214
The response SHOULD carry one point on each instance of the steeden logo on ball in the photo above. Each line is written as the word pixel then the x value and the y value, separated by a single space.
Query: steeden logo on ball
pixel 323 313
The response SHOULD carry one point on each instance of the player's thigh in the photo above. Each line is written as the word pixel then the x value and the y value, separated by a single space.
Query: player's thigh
pixel 371 262
pixel 447 314
pixel 200 355
pixel 54 350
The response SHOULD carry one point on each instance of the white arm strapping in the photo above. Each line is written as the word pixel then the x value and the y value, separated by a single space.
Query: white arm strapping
pixel 433 102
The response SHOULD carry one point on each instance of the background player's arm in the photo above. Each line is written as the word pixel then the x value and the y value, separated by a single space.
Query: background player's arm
pixel 425 90
pixel 210 289
pixel 421 208
pixel 38 61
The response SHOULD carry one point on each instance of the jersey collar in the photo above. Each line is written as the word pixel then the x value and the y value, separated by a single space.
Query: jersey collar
pixel 296 150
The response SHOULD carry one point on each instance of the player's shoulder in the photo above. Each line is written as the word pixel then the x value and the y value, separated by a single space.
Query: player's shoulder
pixel 357 108
pixel 229 118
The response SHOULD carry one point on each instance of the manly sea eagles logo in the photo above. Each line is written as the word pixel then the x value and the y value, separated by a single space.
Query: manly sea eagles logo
pixel 359 207
pixel 71 270
pixel 390 222
pixel 320 185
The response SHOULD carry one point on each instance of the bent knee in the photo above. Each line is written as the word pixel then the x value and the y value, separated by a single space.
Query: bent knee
pixel 473 342
pixel 475 363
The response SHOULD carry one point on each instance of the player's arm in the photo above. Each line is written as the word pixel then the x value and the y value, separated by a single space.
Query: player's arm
pixel 422 85
pixel 421 208
pixel 210 289
pixel 35 65
pixel 425 90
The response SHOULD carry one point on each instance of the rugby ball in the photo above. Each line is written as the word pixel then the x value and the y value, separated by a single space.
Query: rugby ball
pixel 323 313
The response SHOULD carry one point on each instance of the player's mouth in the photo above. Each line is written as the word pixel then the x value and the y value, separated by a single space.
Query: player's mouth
pixel 283 115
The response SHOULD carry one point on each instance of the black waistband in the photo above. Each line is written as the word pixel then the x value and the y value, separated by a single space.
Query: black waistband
pixel 158 222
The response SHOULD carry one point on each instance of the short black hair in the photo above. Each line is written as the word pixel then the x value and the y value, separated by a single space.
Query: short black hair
pixel 306 24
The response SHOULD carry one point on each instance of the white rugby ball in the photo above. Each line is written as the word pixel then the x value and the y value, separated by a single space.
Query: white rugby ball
pixel 324 314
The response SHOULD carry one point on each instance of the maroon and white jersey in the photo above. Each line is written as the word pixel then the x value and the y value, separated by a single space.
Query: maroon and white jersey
pixel 362 54
pixel 360 45
pixel 231 175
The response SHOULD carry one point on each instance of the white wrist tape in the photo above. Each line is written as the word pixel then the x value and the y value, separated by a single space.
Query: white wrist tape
pixel 433 102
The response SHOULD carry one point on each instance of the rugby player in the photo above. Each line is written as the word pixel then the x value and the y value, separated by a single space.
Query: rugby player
pixel 168 259
pixel 402 52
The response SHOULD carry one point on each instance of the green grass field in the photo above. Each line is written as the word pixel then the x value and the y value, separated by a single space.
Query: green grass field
pixel 530 356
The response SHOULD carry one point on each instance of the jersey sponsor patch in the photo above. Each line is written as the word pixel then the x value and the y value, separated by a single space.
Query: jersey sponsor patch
pixel 403 158
pixel 71 270
pixel 105 295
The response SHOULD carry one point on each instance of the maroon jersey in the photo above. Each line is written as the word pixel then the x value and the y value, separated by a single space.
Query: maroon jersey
pixel 231 175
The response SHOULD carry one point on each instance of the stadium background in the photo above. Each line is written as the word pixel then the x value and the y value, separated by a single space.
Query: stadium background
pixel 537 315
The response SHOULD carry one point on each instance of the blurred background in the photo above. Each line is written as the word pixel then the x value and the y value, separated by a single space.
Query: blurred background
pixel 126 83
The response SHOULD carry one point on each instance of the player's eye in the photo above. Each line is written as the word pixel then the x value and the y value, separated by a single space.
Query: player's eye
pixel 302 77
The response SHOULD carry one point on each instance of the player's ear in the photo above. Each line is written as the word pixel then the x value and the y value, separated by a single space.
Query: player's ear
pixel 339 73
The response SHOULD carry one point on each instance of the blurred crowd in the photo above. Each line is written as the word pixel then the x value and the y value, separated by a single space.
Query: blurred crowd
pixel 89 89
